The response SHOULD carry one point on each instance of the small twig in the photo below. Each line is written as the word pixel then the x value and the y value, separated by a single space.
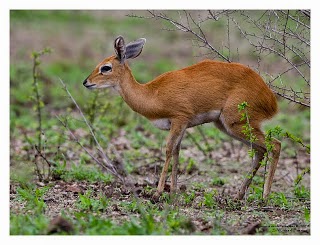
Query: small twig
pixel 204 138
pixel 305 12
pixel 300 176
pixel 196 143
pixel 296 20
pixel 92 111
pixel 229 44
pixel 104 166
pixel 201 37
pixel 45 159
pixel 85 120
pixel 284 34
pixel 42 156
pixel 187 179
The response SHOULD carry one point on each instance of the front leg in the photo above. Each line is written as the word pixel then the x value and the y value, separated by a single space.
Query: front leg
pixel 175 165
pixel 177 130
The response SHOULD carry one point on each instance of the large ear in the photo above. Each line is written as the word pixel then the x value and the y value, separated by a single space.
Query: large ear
pixel 120 48
pixel 134 49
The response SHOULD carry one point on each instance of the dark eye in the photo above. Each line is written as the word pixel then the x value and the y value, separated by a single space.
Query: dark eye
pixel 105 68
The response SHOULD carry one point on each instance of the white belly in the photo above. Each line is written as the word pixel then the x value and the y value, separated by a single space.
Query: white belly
pixel 163 123
pixel 206 117
pixel 211 116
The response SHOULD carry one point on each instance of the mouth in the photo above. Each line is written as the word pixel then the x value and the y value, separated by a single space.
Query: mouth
pixel 91 86
pixel 106 86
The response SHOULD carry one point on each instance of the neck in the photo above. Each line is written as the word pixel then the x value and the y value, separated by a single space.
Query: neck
pixel 135 94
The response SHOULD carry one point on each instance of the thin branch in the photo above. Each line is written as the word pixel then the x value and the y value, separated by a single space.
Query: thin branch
pixel 107 162
pixel 85 120
pixel 274 38
pixel 296 20
pixel 305 12
pixel 46 160
pixel 261 45
pixel 103 165
pixel 284 32
pixel 290 98
pixel 189 135
pixel 201 37
pixel 42 156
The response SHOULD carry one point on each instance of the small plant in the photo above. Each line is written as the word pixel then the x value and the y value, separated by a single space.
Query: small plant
pixel 26 224
pixel 297 140
pixel 198 186
pixel 165 197
pixel 148 190
pixel 300 176
pixel 191 167
pixel 179 224
pixel 301 192
pixel 247 129
pixel 36 98
pixel 279 200
pixel 189 197
pixel 88 203
pixel 107 164
pixel 80 171
pixel 209 200
pixel 256 189
pixel 217 181
pixel 273 229
pixel 85 202
pixel 131 206
pixel 59 170
pixel 34 198
pixel 307 214
pixel 95 111
pixel 248 132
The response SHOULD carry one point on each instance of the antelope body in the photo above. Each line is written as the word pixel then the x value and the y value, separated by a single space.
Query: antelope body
pixel 209 91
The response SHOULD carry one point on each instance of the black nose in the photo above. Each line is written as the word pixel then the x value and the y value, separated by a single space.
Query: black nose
pixel 84 82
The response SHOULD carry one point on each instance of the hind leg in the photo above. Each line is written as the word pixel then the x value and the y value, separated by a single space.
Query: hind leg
pixel 247 181
pixel 260 151
pixel 272 167
pixel 234 129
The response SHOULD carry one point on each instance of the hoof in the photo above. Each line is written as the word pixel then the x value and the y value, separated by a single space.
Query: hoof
pixel 155 198
pixel 239 196
pixel 265 196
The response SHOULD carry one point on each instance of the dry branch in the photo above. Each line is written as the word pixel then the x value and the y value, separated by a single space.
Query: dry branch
pixel 107 163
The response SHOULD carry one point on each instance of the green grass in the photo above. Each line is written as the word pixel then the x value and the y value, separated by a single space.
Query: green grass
pixel 87 203
pixel 87 219
pixel 80 171
pixel 23 224
pixel 217 181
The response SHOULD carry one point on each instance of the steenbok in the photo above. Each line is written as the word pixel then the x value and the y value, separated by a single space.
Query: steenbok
pixel 209 91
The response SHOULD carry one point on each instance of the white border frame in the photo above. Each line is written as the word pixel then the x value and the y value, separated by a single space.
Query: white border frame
pixel 7 5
